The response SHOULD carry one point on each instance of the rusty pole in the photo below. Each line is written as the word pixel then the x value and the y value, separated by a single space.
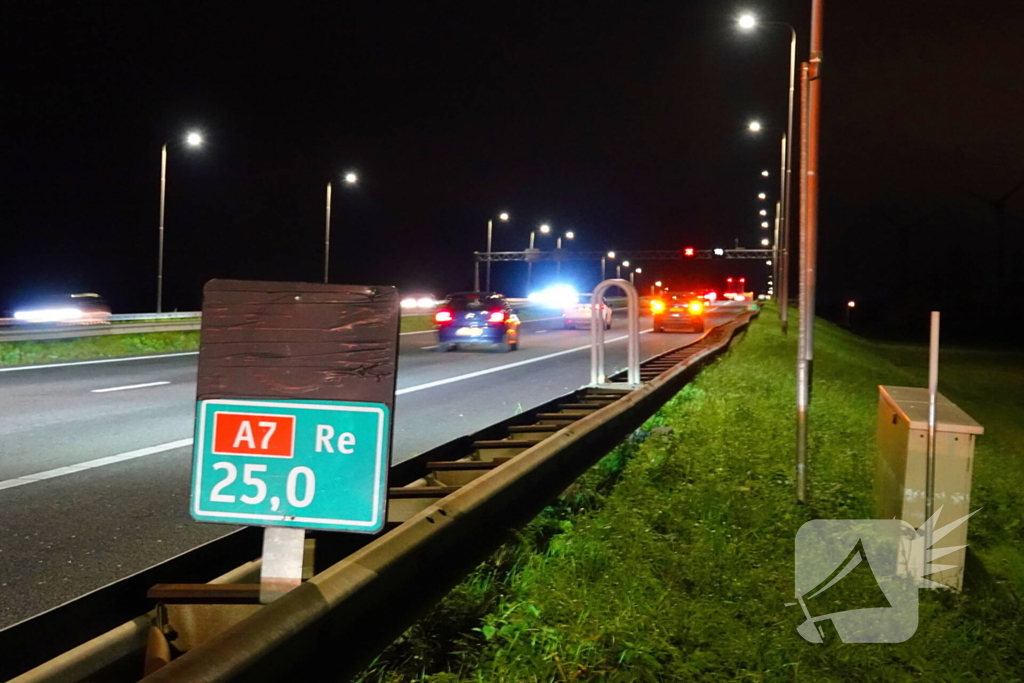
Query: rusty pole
pixel 810 124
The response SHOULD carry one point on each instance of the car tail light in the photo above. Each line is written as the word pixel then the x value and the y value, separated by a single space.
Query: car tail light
pixel 657 306
pixel 497 317
pixel 443 317
pixel 696 307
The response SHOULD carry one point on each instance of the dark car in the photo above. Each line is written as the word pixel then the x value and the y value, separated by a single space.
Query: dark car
pixel 475 318
pixel 679 312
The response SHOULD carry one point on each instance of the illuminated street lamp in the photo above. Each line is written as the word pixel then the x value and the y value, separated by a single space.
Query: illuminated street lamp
pixel 618 269
pixel 764 242
pixel 609 255
pixel 569 234
pixel 754 126
pixel 764 174
pixel 762 195
pixel 503 216
pixel 544 229
pixel 350 178
pixel 763 212
pixel 192 139
pixel 747 22
pixel 764 224
pixel 847 310
pixel 635 272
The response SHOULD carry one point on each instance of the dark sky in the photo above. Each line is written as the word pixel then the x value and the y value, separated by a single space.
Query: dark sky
pixel 622 121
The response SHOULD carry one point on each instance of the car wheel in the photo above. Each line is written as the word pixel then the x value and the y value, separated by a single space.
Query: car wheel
pixel 504 346
pixel 444 347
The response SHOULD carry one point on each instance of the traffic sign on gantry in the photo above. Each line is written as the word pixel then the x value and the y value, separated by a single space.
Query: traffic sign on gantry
pixel 295 394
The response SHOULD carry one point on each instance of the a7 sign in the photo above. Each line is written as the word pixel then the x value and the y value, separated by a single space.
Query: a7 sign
pixel 307 464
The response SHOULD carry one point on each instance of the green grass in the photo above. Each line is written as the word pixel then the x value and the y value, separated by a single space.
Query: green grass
pixel 680 571
pixel 88 348
pixel 122 345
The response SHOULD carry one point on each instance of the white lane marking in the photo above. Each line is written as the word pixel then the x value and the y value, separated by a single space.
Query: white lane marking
pixel 541 332
pixel 181 443
pixel 130 386
pixel 101 360
pixel 92 464
pixel 481 373
pixel 427 348
pixel 168 355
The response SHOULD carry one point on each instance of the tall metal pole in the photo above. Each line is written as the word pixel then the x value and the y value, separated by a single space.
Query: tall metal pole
pixel 160 257
pixel 787 193
pixel 602 268
pixel 777 253
pixel 810 86
pixel 490 230
pixel 933 391
pixel 529 263
pixel 327 237
pixel 558 259
pixel 802 371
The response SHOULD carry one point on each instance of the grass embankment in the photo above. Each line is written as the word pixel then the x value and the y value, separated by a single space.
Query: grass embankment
pixel 681 570
pixel 90 348
pixel 122 345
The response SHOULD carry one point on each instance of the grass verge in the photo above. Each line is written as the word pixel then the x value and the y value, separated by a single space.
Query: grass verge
pixel 681 572
pixel 89 348
pixel 122 345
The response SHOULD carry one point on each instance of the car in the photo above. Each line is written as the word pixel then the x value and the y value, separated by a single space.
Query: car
pixel 75 309
pixel 578 313
pixel 679 312
pixel 420 301
pixel 474 319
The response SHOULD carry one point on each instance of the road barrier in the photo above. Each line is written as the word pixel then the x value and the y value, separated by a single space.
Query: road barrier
pixel 458 504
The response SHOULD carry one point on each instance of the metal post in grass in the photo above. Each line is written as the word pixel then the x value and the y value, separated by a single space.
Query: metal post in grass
pixel 933 391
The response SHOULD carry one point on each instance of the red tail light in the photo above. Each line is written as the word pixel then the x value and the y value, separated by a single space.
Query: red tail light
pixel 443 317
pixel 497 317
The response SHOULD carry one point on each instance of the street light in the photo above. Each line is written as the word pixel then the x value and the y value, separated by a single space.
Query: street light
pixel 764 174
pixel 754 126
pixel 192 139
pixel 635 272
pixel 609 255
pixel 763 212
pixel 764 224
pixel 544 229
pixel 503 216
pixel 569 234
pixel 748 21
pixel 764 242
pixel 762 195
pixel 350 179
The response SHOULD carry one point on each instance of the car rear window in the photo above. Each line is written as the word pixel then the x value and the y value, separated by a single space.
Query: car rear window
pixel 474 303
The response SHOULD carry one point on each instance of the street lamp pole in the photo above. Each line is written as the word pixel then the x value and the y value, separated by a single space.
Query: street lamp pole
pixel 327 238
pixel 160 257
pixel 783 251
pixel 810 88
pixel 193 139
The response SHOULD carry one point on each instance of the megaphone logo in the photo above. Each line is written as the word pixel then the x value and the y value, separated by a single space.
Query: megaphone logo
pixel 858 580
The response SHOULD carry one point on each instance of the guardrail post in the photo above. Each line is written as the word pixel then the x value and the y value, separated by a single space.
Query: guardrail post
pixel 597 374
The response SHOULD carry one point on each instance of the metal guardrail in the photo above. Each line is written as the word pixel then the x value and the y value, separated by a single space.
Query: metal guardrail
pixel 375 587
pixel 47 332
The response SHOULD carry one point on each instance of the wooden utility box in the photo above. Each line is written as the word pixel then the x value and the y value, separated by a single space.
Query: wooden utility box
pixel 901 462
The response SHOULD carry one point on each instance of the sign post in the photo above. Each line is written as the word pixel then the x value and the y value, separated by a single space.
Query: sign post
pixel 293 417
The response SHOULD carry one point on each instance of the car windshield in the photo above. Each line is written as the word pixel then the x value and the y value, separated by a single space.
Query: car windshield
pixel 475 303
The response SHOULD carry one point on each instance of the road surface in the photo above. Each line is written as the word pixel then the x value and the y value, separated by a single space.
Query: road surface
pixel 96 457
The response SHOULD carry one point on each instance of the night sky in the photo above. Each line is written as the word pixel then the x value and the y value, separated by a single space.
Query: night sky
pixel 624 122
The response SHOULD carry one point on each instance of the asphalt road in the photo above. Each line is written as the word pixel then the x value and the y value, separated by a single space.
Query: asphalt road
pixel 96 457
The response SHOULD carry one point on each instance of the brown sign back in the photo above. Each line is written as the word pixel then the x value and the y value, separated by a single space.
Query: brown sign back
pixel 297 340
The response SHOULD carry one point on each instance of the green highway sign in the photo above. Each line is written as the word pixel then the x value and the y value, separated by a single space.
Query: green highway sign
pixel 294 463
